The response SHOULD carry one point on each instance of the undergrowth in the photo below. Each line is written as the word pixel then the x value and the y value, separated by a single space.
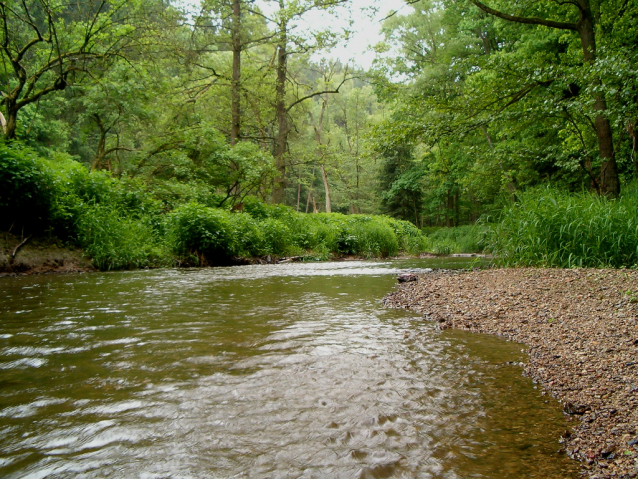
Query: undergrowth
pixel 459 239
pixel 547 227
pixel 123 223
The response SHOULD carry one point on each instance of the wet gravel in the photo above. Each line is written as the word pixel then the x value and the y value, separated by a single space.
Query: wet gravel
pixel 582 331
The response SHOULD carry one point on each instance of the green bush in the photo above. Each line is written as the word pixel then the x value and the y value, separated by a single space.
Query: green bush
pixel 279 237
pixel 128 223
pixel 201 235
pixel 114 241
pixel 28 189
pixel 409 237
pixel 551 228
pixel 374 238
pixel 249 238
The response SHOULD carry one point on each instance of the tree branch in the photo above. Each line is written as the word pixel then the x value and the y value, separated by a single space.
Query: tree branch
pixel 527 20
pixel 317 93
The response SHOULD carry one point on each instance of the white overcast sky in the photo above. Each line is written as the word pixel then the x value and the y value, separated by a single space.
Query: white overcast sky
pixel 366 16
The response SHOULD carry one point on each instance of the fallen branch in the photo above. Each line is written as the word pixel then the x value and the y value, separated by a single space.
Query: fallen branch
pixel 15 250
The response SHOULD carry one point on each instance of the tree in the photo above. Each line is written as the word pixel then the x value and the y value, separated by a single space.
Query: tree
pixel 286 14
pixel 47 45
pixel 585 26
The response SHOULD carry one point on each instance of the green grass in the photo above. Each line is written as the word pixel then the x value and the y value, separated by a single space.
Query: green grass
pixel 547 227
pixel 459 239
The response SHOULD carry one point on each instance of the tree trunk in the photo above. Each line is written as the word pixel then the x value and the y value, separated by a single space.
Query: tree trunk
pixel 98 163
pixel 318 127
pixel 236 83
pixel 327 187
pixel 609 179
pixel 310 188
pixel 282 114
pixel 450 209
pixel 298 190
pixel 12 122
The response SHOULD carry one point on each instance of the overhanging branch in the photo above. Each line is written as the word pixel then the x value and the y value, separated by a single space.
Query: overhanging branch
pixel 527 20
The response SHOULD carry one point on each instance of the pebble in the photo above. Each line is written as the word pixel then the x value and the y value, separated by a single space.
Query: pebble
pixel 580 326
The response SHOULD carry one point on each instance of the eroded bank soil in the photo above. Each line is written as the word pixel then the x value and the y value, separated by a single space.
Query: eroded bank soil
pixel 39 255
pixel 582 332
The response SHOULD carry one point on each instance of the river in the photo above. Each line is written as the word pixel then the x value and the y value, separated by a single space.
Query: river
pixel 269 371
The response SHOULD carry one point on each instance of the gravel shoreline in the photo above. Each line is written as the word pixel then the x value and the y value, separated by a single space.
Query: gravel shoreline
pixel 582 331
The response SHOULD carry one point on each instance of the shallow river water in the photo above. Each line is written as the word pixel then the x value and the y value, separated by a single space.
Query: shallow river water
pixel 271 371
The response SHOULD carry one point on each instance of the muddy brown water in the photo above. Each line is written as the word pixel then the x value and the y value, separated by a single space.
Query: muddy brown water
pixel 270 371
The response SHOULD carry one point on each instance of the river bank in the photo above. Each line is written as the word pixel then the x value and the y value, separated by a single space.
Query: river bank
pixel 581 329
pixel 40 254
pixel 26 255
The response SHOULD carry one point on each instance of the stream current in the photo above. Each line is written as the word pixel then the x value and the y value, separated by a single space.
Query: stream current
pixel 269 371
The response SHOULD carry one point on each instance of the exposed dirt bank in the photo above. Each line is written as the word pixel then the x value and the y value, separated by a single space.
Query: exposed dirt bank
pixel 33 255
pixel 582 331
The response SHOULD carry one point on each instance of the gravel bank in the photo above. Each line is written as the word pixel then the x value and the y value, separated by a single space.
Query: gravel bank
pixel 582 331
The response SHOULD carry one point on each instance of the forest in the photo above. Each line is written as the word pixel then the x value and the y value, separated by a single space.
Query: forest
pixel 155 132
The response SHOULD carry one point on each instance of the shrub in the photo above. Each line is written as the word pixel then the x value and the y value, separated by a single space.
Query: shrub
pixel 201 235
pixel 373 237
pixel 279 238
pixel 248 237
pixel 114 241
pixel 27 189
pixel 459 239
pixel 551 228
pixel 409 237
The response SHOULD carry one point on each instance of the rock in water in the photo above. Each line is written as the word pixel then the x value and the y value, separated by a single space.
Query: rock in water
pixel 406 278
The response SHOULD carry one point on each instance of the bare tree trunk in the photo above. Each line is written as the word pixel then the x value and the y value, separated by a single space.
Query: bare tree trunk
pixel 310 189
pixel 236 83
pixel 298 189
pixel 327 187
pixel 98 163
pixel 450 208
pixel 12 123
pixel 318 127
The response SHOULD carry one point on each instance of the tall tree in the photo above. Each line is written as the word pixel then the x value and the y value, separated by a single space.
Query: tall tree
pixel 286 14
pixel 585 26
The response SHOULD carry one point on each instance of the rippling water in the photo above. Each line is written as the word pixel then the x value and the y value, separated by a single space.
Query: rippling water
pixel 257 371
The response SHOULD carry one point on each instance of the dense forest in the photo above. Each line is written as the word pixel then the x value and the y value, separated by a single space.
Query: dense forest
pixel 219 127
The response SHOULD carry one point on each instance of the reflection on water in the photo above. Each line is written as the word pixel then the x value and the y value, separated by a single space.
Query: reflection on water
pixel 257 371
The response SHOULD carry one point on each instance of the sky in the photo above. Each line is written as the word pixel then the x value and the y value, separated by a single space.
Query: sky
pixel 366 16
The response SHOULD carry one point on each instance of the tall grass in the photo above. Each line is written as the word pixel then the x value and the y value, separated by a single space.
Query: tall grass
pixel 459 239
pixel 547 227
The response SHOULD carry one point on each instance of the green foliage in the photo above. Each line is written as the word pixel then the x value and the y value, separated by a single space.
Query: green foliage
pixel 548 227
pixel 249 238
pixel 115 241
pixel 27 189
pixel 460 239
pixel 201 235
